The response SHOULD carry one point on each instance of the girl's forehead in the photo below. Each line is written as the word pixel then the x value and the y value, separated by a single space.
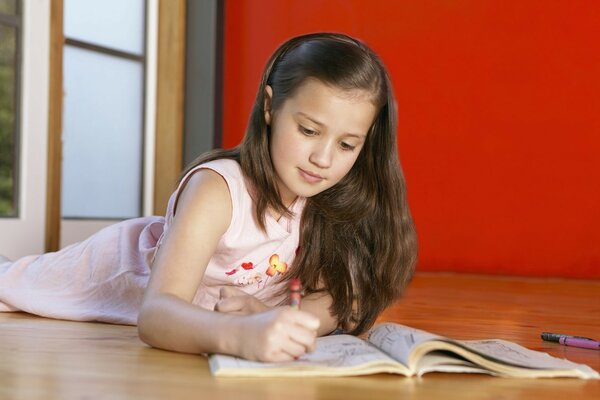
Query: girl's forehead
pixel 314 87
pixel 351 111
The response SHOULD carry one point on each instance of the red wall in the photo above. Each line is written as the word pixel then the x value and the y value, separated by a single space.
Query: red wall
pixel 499 106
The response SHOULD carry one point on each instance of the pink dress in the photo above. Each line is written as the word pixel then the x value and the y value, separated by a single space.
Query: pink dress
pixel 103 278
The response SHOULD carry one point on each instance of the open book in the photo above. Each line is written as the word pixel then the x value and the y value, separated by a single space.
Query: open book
pixel 398 349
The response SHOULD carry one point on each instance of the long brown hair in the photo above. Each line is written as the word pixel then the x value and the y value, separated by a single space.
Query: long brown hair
pixel 357 238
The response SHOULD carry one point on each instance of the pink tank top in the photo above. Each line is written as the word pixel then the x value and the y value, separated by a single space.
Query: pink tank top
pixel 246 257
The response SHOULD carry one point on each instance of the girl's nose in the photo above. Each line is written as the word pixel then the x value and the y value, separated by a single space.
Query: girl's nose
pixel 321 155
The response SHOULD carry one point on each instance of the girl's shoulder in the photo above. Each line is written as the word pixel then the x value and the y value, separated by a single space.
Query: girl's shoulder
pixel 225 167
pixel 229 170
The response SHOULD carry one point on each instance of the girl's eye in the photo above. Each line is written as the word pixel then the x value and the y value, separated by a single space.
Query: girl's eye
pixel 307 131
pixel 346 146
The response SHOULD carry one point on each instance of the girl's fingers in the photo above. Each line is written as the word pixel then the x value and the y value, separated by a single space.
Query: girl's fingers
pixel 300 333
pixel 282 356
pixel 304 319
pixel 306 338
pixel 235 301
pixel 230 291
pixel 293 350
pixel 230 304
pixel 232 300
pixel 280 334
pixel 287 349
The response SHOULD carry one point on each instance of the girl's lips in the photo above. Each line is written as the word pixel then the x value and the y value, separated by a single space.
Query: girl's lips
pixel 310 177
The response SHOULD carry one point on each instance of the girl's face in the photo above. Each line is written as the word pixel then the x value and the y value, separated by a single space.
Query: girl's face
pixel 316 136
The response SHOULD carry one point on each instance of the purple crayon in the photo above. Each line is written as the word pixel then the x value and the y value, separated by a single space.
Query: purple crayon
pixel 295 293
pixel 573 341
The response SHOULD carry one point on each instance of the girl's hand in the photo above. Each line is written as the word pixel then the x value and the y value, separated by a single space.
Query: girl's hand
pixel 235 301
pixel 280 334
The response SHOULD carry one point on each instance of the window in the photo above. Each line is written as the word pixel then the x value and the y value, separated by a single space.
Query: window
pixel 103 110
pixel 10 51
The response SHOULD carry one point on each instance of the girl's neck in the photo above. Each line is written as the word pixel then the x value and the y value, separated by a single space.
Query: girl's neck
pixel 288 204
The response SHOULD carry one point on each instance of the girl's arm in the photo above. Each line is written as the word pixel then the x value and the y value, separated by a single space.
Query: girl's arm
pixel 167 317
pixel 235 301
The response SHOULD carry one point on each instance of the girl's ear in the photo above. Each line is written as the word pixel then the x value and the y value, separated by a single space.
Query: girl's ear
pixel 267 105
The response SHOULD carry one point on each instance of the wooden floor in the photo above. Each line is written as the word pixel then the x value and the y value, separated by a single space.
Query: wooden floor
pixel 50 359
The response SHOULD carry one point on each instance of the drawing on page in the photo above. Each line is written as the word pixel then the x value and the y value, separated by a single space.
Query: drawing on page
pixel 342 354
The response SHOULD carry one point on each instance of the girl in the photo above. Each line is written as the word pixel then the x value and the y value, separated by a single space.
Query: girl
pixel 314 191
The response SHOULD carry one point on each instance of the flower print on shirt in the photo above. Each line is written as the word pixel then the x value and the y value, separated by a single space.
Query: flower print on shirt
pixel 275 268
pixel 244 265
pixel 247 265
pixel 251 278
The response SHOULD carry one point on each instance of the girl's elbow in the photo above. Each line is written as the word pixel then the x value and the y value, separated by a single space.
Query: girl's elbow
pixel 144 325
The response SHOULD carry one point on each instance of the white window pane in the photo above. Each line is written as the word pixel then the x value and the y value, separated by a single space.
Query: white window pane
pixel 117 24
pixel 102 135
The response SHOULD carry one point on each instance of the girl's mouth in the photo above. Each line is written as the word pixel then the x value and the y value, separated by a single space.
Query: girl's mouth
pixel 310 177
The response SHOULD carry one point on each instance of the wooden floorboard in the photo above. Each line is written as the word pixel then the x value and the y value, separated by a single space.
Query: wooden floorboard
pixel 51 359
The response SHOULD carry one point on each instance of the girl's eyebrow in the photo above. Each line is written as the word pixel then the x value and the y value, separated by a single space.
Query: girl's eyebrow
pixel 300 113
pixel 304 115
